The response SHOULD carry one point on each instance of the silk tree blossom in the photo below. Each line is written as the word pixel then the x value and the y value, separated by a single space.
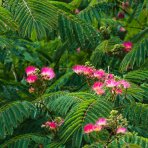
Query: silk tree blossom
pixel 47 73
pixel 120 15
pixel 31 90
pixel 125 5
pixel 99 74
pixel 88 128
pixel 109 76
pixel 97 85
pixel 112 123
pixel 101 122
pixel 78 69
pixel 124 83
pixel 111 83
pixel 121 130
pixel 106 81
pixel 30 70
pixel 88 71
pixel 128 46
pixel 77 11
pixel 51 125
pixel 100 91
pixel 31 79
pixel 85 70
pixel 117 91
pixel 97 128
pixel 78 50
pixel 122 29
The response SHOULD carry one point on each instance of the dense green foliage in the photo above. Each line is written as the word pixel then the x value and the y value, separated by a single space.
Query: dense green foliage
pixel 51 33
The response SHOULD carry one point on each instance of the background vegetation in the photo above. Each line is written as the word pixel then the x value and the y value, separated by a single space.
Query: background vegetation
pixel 54 33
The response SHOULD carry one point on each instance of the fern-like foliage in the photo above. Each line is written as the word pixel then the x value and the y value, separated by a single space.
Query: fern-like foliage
pixel 137 115
pixel 137 76
pixel 95 12
pixel 50 33
pixel 140 35
pixel 62 102
pixel 5 42
pixel 99 55
pixel 130 141
pixel 74 29
pixel 25 141
pixel 33 17
pixel 11 115
pixel 137 9
pixel 6 21
pixel 60 82
pixel 135 93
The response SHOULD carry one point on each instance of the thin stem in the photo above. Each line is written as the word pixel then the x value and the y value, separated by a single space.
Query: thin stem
pixel 48 110
pixel 88 83
pixel 14 73
pixel 133 27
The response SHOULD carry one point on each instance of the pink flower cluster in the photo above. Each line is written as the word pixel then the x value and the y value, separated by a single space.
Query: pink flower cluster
pixel 127 46
pixel 100 125
pixel 121 130
pixel 121 15
pixel 104 80
pixel 122 29
pixel 125 5
pixel 85 70
pixel 33 74
pixel 52 124
pixel 77 11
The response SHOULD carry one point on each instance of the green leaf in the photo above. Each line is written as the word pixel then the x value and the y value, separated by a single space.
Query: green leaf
pixel 130 139
pixel 24 141
pixel 12 115
pixel 6 21
pixel 137 115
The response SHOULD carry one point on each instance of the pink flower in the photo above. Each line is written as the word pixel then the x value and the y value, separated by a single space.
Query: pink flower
pixel 121 130
pixel 97 128
pixel 47 73
pixel 77 11
pixel 117 90
pixel 88 71
pixel 100 91
pixel 31 90
pixel 101 121
pixel 88 128
pixel 124 83
pixel 120 15
pixel 30 70
pixel 125 5
pixel 78 50
pixel 97 85
pixel 79 69
pixel 99 74
pixel 122 29
pixel 52 124
pixel 127 46
pixel 111 83
pixel 110 76
pixel 31 78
